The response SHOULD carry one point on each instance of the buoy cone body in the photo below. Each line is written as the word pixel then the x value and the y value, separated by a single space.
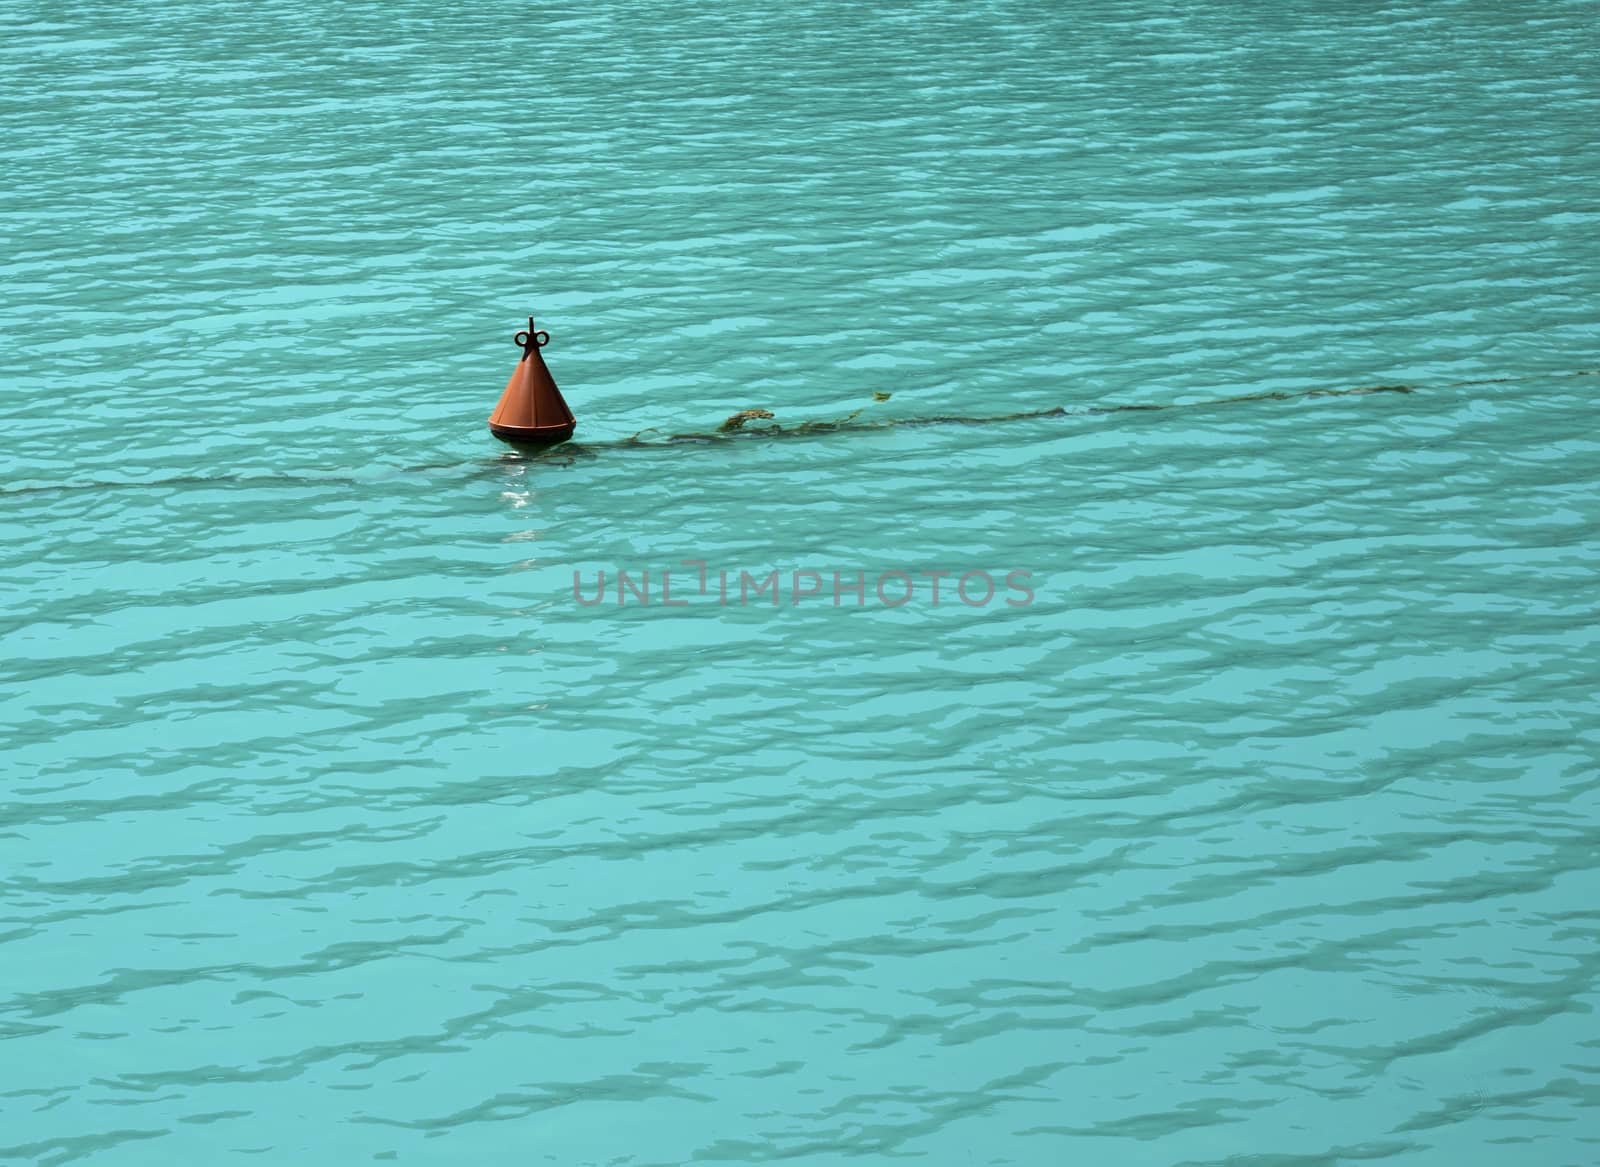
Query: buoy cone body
pixel 532 408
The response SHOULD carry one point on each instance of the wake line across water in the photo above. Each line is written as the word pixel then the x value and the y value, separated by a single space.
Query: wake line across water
pixel 734 427
pixel 745 424
pixel 739 428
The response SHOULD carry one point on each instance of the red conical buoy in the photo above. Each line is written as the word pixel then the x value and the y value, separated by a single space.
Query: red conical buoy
pixel 532 410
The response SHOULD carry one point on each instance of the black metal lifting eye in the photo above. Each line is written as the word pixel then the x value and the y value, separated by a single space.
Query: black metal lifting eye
pixel 531 339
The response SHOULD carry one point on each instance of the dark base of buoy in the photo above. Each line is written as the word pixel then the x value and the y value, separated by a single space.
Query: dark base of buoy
pixel 532 436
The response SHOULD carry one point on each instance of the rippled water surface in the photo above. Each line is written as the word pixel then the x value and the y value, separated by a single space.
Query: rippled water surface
pixel 1250 820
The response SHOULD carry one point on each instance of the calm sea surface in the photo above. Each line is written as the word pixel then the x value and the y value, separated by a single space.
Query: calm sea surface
pixel 1252 819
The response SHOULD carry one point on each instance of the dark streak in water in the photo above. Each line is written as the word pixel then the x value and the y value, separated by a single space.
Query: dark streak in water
pixel 849 423
pixel 568 452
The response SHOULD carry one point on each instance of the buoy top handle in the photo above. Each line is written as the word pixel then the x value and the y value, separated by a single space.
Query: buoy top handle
pixel 531 339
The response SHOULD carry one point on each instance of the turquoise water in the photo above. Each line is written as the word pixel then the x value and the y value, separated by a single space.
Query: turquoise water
pixel 1251 820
